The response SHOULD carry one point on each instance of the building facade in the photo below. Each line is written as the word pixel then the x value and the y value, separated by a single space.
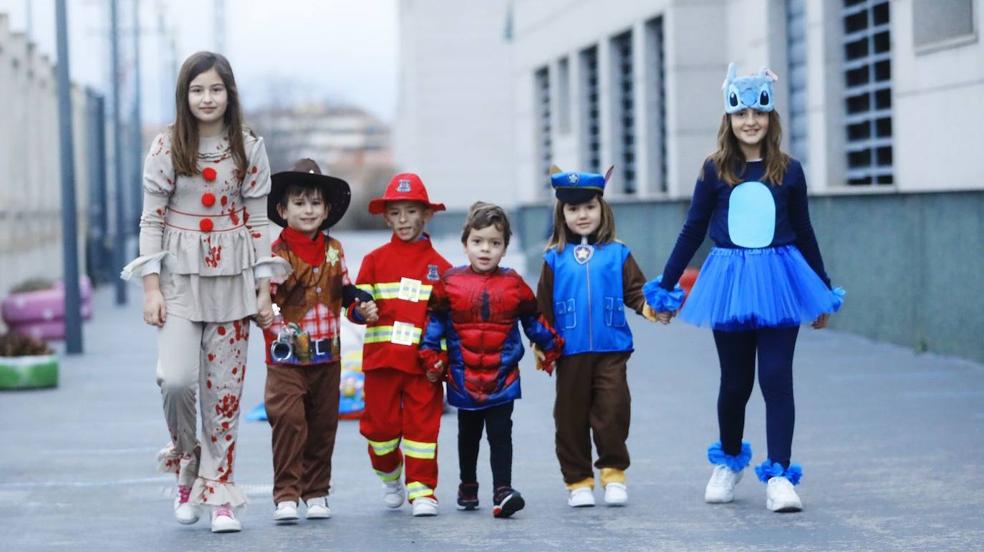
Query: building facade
pixel 880 100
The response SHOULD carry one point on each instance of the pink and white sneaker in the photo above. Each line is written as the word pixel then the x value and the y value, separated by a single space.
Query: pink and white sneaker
pixel 184 511
pixel 224 520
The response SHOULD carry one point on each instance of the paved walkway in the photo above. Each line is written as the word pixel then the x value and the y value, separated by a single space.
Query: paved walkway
pixel 891 444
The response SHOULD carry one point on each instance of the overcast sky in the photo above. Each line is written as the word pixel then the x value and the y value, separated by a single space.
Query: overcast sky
pixel 281 50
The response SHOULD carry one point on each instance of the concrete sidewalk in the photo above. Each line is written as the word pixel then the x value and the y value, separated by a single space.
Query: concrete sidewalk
pixel 890 443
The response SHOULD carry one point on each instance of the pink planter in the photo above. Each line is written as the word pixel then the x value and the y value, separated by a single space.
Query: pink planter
pixel 42 313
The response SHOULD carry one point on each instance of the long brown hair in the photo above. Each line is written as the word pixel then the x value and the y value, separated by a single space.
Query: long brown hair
pixel 729 160
pixel 184 131
pixel 562 234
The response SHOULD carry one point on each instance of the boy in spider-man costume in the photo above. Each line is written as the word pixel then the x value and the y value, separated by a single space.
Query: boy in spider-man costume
pixel 475 308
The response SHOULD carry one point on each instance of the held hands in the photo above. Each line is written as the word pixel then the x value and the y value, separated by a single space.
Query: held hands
pixel 542 363
pixel 662 317
pixel 264 309
pixel 368 310
pixel 154 310
pixel 436 372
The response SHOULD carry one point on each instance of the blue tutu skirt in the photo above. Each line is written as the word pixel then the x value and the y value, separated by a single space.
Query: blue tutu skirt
pixel 744 289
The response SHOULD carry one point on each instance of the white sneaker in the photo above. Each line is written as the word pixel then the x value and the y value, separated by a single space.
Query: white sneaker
pixel 184 511
pixel 393 494
pixel 286 512
pixel 780 496
pixel 581 497
pixel 615 494
pixel 317 508
pixel 721 487
pixel 424 506
pixel 224 520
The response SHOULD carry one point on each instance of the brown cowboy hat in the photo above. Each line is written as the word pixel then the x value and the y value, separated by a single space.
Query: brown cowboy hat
pixel 306 172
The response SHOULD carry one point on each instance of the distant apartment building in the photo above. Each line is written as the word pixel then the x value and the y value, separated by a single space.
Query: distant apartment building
pixel 345 141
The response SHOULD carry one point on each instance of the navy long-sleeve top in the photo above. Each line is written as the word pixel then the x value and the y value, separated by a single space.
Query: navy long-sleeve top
pixel 712 202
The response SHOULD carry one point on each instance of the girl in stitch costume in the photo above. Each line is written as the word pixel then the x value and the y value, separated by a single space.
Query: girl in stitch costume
pixel 763 278
pixel 205 261
pixel 588 279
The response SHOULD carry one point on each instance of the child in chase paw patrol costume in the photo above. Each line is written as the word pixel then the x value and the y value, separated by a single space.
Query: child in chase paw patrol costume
pixel 303 361
pixel 588 281
pixel 763 278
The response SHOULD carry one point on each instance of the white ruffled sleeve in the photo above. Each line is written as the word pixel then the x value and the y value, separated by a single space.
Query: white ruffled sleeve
pixel 158 185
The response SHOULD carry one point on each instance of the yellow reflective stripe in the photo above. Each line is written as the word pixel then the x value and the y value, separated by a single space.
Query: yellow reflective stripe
pixel 391 290
pixel 365 287
pixel 384 447
pixel 383 334
pixel 390 476
pixel 416 449
pixel 416 490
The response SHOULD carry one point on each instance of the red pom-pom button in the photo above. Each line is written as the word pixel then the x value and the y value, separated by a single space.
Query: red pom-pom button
pixel 206 225
pixel 208 199
pixel 208 173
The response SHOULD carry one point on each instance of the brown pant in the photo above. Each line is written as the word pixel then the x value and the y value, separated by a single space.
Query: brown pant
pixel 592 401
pixel 302 405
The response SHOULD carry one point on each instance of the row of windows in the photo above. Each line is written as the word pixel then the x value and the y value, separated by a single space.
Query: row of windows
pixel 623 103
pixel 867 98
pixel 867 91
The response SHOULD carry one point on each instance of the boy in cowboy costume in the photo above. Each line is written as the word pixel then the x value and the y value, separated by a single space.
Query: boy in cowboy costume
pixel 302 345
pixel 402 405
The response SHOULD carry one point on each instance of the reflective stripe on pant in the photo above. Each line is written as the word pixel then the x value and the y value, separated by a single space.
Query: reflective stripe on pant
pixel 403 409
pixel 209 357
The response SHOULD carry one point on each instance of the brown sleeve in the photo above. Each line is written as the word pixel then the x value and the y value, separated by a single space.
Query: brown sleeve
pixel 632 282
pixel 544 293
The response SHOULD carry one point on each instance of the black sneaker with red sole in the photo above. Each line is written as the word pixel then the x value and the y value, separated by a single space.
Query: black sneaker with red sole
pixel 506 502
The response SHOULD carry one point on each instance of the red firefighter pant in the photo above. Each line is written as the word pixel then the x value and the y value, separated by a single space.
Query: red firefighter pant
pixel 403 408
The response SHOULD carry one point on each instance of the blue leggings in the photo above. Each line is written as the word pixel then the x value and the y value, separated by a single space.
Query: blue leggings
pixel 736 351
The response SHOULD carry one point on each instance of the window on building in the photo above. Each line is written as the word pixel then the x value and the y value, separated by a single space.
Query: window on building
pixel 563 96
pixel 656 103
pixel 591 133
pixel 796 55
pixel 940 23
pixel 541 104
pixel 868 91
pixel 623 111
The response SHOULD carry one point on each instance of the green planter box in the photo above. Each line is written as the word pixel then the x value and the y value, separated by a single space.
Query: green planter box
pixel 28 372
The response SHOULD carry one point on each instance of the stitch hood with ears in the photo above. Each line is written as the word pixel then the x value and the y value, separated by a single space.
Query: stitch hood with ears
pixel 749 92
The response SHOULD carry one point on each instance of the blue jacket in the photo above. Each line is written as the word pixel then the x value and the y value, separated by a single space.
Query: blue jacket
pixel 588 302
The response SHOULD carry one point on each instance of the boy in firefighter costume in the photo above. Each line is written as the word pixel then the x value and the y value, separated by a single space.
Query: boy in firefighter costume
pixel 402 405
pixel 476 308
pixel 302 345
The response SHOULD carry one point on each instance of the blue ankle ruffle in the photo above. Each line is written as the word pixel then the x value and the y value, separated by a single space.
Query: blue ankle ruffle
pixel 717 456
pixel 661 300
pixel 839 294
pixel 769 469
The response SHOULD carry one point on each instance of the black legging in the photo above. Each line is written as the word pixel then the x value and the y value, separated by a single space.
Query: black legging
pixel 497 421
pixel 736 351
